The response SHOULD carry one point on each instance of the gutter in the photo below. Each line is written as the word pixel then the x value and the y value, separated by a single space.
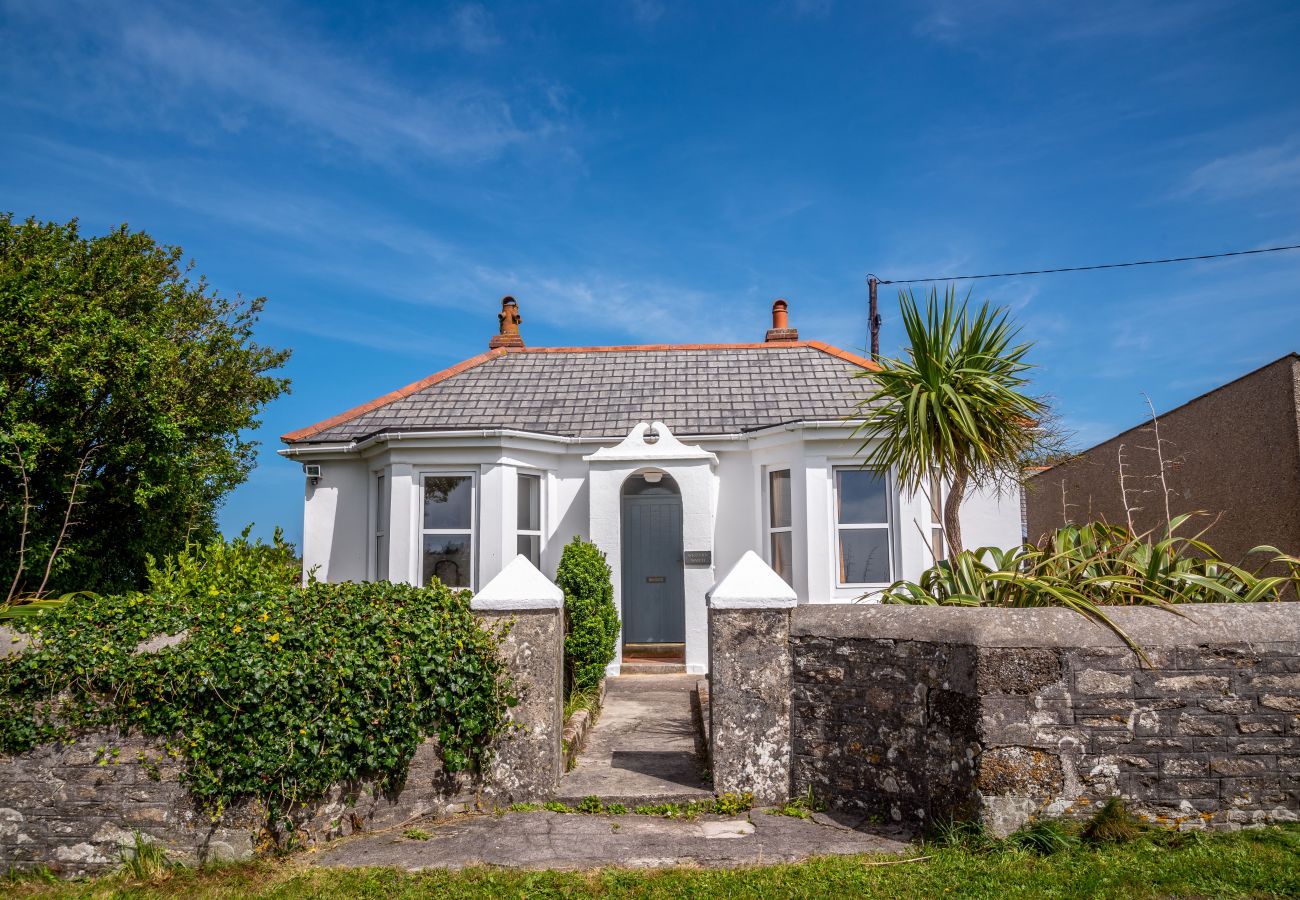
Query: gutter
pixel 296 450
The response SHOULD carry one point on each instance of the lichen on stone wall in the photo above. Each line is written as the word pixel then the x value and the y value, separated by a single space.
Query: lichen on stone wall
pixel 917 720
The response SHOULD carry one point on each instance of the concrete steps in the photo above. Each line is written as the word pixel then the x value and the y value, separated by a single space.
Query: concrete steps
pixel 645 746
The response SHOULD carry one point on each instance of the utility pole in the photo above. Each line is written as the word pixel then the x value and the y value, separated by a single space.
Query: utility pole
pixel 874 316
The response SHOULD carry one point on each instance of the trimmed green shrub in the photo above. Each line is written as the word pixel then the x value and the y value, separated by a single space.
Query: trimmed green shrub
pixel 273 694
pixel 591 621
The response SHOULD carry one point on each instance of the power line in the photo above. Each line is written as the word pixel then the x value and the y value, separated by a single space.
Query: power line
pixel 1122 265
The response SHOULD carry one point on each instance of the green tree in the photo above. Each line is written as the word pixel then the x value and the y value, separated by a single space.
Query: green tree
pixel 953 407
pixel 125 377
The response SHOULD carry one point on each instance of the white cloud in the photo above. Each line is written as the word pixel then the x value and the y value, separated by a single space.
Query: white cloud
pixel 961 21
pixel 247 72
pixel 474 28
pixel 1249 173
pixel 374 332
pixel 815 9
pixel 643 309
pixel 646 12
pixel 307 88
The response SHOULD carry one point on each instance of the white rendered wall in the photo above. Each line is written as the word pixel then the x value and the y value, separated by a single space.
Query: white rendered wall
pixel 990 518
pixel 737 527
pixel 335 523
pixel 568 503
pixel 723 509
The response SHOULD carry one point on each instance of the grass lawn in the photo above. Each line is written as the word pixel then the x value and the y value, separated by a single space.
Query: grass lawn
pixel 1257 863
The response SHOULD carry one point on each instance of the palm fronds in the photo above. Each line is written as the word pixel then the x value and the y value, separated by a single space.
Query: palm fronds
pixel 26 607
pixel 953 407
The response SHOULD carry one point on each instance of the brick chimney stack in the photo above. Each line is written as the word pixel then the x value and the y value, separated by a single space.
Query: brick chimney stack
pixel 509 320
pixel 781 330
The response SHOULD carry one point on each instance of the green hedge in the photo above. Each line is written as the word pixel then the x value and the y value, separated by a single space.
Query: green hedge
pixel 591 621
pixel 275 694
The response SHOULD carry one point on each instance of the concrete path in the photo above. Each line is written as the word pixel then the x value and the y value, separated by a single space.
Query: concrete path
pixel 645 747
pixel 546 840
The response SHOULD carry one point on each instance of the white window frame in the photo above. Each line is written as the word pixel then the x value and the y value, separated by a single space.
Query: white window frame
pixel 891 515
pixel 382 522
pixel 937 537
pixel 421 531
pixel 540 532
pixel 768 528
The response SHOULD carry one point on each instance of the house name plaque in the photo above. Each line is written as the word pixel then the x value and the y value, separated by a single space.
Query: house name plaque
pixel 699 557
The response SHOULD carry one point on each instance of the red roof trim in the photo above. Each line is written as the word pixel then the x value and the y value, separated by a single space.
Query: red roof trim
pixel 845 355
pixel 400 393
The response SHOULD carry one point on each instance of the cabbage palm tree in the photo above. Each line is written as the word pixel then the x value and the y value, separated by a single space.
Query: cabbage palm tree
pixel 953 407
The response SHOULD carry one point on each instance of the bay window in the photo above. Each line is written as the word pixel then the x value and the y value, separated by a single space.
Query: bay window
pixel 447 530
pixel 528 526
pixel 382 512
pixel 780 524
pixel 862 527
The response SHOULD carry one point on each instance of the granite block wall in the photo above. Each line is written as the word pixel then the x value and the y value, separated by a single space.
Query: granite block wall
pixel 916 715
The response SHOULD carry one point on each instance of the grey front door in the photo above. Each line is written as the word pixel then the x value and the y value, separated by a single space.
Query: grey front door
pixel 654 594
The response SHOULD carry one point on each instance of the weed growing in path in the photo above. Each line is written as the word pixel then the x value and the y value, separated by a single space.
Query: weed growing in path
pixel 800 807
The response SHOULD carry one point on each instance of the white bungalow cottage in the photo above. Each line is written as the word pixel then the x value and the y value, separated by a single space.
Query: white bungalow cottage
pixel 675 459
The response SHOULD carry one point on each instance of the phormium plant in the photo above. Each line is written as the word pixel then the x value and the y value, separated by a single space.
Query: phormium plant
pixel 1090 567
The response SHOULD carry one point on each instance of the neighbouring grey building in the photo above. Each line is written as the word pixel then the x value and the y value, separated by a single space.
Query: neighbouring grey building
pixel 1233 453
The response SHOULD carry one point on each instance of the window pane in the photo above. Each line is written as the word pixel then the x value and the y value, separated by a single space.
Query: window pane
pixel 864 556
pixel 530 545
pixel 382 513
pixel 381 557
pixel 447 501
pixel 782 555
pixel 861 497
pixel 446 558
pixel 778 489
pixel 530 503
pixel 936 543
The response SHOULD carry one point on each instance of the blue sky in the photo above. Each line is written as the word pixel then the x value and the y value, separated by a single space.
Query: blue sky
pixel 652 170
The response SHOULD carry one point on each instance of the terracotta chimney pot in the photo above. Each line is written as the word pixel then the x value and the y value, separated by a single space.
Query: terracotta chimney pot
pixel 781 330
pixel 509 320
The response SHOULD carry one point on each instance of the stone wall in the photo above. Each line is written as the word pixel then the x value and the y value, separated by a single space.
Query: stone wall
pixel 75 807
pixel 750 713
pixel 885 728
pixel 920 714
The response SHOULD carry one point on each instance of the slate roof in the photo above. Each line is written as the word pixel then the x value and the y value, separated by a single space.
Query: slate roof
pixel 605 391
